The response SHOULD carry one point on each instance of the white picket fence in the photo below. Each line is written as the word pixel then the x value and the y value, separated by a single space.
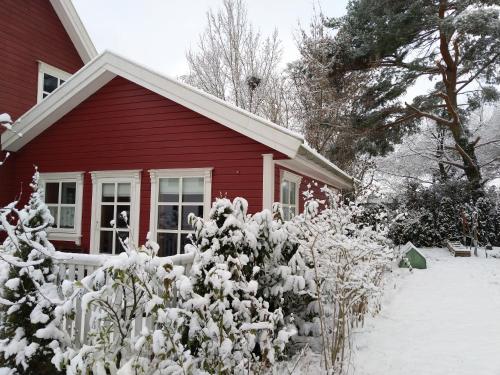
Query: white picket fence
pixel 75 267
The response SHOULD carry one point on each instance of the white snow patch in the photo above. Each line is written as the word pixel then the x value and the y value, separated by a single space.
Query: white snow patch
pixel 442 320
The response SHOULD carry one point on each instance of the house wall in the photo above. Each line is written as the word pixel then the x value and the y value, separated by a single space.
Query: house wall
pixel 315 185
pixel 30 30
pixel 124 126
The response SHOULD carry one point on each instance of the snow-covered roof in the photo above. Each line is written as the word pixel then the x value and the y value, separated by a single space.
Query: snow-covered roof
pixel 103 68
pixel 409 246
pixel 75 29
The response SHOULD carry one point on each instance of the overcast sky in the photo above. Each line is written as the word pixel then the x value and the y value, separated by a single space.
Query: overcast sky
pixel 157 33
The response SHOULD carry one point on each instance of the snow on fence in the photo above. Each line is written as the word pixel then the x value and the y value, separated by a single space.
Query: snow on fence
pixel 74 267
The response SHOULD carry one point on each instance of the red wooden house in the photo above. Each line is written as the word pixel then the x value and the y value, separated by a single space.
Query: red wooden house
pixel 109 135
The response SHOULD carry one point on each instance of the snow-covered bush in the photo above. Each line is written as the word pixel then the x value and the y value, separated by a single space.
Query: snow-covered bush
pixel 136 283
pixel 349 258
pixel 29 330
pixel 247 281
pixel 434 214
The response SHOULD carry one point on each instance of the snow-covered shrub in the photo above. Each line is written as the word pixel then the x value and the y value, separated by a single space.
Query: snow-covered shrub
pixel 134 284
pixel 433 214
pixel 29 330
pixel 247 279
pixel 349 258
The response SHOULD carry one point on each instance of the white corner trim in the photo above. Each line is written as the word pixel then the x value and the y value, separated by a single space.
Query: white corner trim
pixel 267 181
pixel 62 234
pixel 99 177
pixel 75 29
pixel 156 174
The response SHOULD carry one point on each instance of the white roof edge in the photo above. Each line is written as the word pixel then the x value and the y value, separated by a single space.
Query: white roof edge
pixel 315 155
pixel 73 25
pixel 108 64
pixel 79 87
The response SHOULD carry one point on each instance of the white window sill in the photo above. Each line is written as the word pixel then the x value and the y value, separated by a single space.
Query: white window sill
pixel 62 236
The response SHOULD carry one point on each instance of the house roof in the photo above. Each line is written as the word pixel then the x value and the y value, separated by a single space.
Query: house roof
pixel 75 29
pixel 108 65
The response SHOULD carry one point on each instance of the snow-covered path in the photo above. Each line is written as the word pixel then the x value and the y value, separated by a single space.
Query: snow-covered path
pixel 439 321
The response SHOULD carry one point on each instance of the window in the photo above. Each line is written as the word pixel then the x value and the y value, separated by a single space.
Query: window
pixel 174 195
pixel 49 79
pixel 290 185
pixel 63 196
pixel 115 210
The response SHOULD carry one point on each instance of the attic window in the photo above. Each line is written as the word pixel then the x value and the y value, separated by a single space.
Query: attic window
pixel 49 79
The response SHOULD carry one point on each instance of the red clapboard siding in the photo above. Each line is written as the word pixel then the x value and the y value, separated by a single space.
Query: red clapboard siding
pixel 29 31
pixel 100 135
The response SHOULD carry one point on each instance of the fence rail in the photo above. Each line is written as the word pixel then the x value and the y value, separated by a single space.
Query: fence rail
pixel 74 267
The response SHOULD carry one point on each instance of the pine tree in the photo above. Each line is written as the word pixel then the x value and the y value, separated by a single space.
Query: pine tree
pixel 448 220
pixel 28 332
pixel 393 43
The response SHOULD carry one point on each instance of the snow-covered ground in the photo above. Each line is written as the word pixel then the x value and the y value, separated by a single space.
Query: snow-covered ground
pixel 442 320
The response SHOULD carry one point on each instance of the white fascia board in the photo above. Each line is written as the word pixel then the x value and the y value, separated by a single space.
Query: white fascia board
pixel 312 154
pixel 241 121
pixel 74 27
pixel 316 172
pixel 107 66
pixel 66 97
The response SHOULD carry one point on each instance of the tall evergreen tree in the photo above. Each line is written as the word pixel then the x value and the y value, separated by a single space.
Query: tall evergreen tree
pixel 28 297
pixel 393 43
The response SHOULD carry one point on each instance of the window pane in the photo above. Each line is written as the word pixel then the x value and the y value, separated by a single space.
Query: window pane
pixel 107 214
pixel 53 212
pixel 285 193
pixel 67 219
pixel 168 217
pixel 169 190
pixel 124 192
pixel 167 243
pixel 286 213
pixel 52 192
pixel 108 192
pixel 49 83
pixel 118 245
pixel 106 242
pixel 192 189
pixel 184 241
pixel 186 210
pixel 293 187
pixel 68 193
pixel 120 220
pixel 292 212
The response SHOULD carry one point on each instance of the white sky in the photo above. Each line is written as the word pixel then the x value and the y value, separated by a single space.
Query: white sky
pixel 157 33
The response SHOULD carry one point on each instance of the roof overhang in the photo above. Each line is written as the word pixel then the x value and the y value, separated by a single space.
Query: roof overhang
pixel 314 165
pixel 75 29
pixel 108 65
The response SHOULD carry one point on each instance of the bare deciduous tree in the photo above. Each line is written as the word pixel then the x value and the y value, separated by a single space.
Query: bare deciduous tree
pixel 236 63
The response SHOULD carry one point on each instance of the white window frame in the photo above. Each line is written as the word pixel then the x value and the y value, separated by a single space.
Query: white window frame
pixel 293 178
pixel 67 234
pixel 157 174
pixel 53 71
pixel 117 176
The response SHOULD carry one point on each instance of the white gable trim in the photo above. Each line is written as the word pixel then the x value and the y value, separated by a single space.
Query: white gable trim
pixel 108 65
pixel 75 29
